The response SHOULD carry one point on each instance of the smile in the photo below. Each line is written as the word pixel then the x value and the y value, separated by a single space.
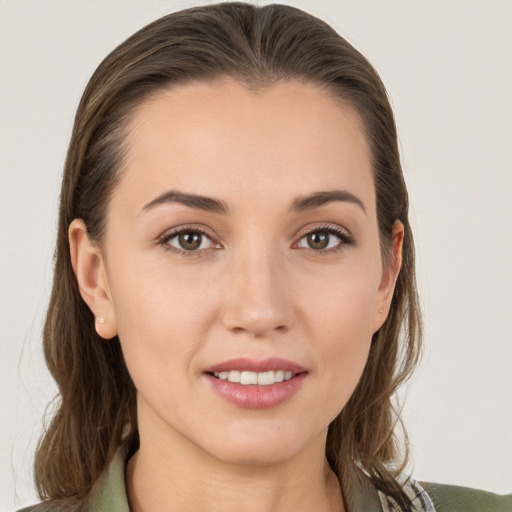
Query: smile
pixel 254 378
pixel 256 384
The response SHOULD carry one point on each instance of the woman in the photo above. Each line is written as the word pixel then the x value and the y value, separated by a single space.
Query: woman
pixel 234 299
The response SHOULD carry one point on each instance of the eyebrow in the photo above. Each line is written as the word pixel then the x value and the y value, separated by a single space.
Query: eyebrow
pixel 207 204
pixel 211 205
pixel 318 199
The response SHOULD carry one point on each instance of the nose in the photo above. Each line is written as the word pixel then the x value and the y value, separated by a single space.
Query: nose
pixel 257 298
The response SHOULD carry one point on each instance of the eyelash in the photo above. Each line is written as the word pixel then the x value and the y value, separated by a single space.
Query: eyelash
pixel 345 238
pixel 169 235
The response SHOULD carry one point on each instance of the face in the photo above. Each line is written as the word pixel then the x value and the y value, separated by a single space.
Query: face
pixel 242 244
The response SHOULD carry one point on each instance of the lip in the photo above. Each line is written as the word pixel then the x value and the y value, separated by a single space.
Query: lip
pixel 254 396
pixel 252 365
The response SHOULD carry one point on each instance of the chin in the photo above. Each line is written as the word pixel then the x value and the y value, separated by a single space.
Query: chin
pixel 261 446
pixel 254 455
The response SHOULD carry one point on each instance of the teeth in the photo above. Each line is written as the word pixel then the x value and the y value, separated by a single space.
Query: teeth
pixel 234 376
pixel 248 378
pixel 259 378
pixel 266 378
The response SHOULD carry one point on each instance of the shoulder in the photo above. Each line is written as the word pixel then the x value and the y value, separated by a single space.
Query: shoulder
pixel 108 495
pixel 452 498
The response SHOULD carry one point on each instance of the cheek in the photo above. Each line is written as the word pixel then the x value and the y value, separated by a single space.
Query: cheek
pixel 162 318
pixel 340 320
pixel 348 337
pixel 341 305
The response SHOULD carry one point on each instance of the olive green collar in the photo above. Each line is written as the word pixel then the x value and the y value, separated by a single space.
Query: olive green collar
pixel 111 494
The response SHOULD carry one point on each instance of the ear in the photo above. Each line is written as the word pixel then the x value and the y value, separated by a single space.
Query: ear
pixel 91 276
pixel 390 273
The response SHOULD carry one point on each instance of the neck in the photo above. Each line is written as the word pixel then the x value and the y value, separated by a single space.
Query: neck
pixel 170 477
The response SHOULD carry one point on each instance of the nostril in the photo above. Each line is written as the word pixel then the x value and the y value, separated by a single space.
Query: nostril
pixel 258 333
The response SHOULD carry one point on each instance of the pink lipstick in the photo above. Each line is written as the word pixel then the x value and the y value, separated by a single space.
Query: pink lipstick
pixel 252 384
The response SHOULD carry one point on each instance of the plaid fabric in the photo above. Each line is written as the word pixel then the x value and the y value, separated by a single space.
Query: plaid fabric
pixel 421 501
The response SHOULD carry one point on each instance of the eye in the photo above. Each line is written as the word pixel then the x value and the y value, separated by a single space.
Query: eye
pixel 324 239
pixel 188 240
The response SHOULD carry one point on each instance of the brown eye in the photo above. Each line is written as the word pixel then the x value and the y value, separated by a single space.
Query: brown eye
pixel 189 241
pixel 318 240
pixel 325 239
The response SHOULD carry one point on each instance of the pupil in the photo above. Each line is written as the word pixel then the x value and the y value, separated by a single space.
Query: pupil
pixel 318 240
pixel 190 241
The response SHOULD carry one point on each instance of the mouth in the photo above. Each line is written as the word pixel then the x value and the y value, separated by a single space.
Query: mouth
pixel 254 384
pixel 247 378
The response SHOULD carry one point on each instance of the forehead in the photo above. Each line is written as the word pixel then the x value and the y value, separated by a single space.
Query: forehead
pixel 221 139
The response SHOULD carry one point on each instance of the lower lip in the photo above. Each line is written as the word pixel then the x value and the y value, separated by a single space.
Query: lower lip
pixel 257 397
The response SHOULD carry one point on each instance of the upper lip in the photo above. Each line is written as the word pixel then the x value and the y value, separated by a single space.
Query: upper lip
pixel 252 365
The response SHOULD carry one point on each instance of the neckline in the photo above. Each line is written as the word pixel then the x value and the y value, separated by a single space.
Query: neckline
pixel 111 494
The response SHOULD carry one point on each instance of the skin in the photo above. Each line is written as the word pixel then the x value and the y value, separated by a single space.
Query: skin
pixel 255 288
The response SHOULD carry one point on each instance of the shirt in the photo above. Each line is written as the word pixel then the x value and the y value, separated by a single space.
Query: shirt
pixel 426 497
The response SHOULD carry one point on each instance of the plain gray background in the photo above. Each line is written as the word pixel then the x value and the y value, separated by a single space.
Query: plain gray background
pixel 447 67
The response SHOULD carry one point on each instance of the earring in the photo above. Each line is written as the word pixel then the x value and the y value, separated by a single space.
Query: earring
pixel 381 310
pixel 104 329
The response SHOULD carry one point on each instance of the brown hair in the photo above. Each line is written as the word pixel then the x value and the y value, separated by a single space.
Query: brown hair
pixel 258 46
